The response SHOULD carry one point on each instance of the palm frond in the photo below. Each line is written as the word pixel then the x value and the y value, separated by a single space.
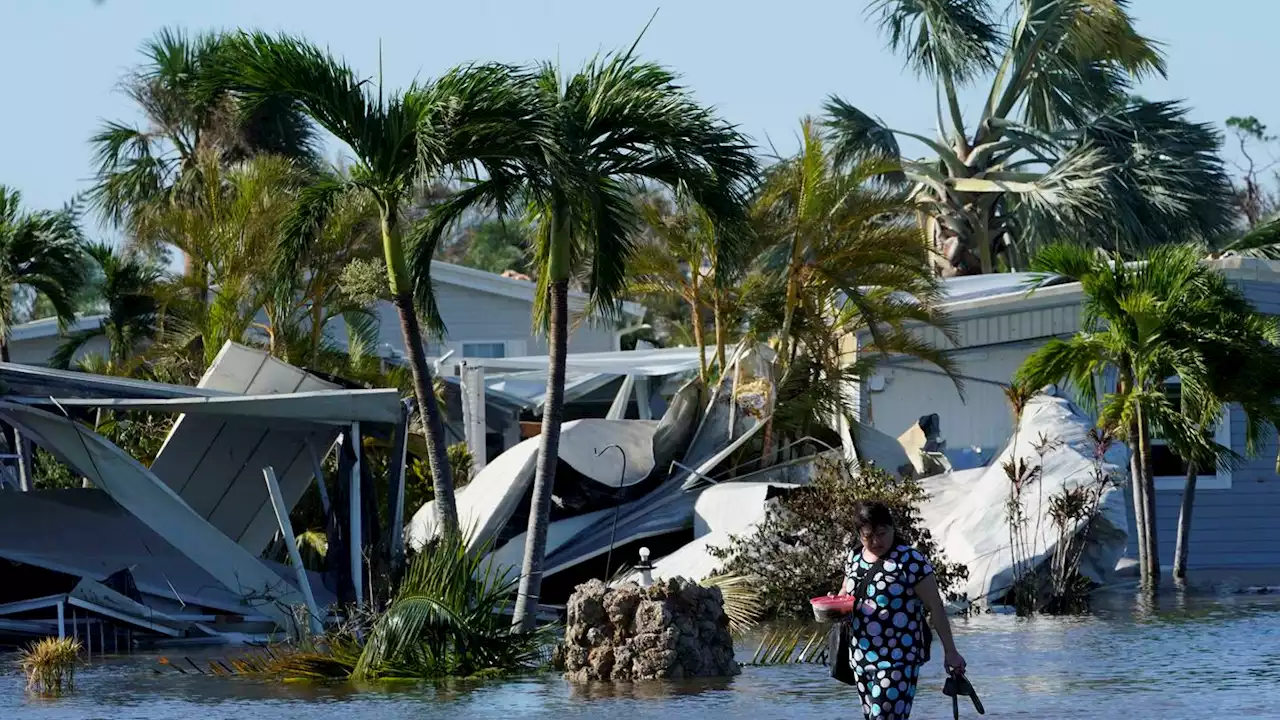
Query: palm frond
pixel 953 39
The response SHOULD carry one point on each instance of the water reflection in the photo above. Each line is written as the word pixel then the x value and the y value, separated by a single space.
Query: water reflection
pixel 1157 659
pixel 647 690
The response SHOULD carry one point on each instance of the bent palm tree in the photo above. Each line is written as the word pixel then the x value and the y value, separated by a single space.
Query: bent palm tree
pixel 1059 148
pixel 603 131
pixel 398 140
pixel 842 257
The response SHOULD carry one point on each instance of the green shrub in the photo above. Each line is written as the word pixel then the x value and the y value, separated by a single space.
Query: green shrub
pixel 798 550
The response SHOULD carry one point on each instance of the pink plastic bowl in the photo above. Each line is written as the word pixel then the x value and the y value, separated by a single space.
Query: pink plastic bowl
pixel 831 609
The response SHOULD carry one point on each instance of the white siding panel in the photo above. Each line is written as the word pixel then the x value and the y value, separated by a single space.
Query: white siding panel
pixel 981 418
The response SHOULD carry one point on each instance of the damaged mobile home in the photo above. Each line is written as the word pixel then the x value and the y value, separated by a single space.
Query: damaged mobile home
pixel 175 551
pixel 669 484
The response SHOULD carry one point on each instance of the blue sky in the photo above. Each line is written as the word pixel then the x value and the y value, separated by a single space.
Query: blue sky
pixel 762 64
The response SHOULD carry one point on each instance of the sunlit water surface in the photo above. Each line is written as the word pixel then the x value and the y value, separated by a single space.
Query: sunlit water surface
pixel 1208 658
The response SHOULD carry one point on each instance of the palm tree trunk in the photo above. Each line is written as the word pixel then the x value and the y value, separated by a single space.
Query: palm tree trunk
pixel 721 332
pixel 1184 524
pixel 535 547
pixel 980 234
pixel 1148 503
pixel 1139 513
pixel 695 311
pixel 423 390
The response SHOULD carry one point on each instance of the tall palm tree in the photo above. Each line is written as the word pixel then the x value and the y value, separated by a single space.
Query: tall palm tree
pixel 140 167
pixel 399 140
pixel 128 291
pixel 603 132
pixel 842 255
pixel 1141 321
pixel 1059 149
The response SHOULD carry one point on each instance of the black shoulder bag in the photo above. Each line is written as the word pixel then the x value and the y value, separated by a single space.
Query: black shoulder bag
pixel 840 638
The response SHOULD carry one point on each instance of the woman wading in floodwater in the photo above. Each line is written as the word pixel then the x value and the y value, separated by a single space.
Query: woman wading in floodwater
pixel 894 585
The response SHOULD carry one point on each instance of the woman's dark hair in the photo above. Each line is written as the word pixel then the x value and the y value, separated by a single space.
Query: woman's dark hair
pixel 871 514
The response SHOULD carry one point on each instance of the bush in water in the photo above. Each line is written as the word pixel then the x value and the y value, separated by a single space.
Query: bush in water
pixel 798 550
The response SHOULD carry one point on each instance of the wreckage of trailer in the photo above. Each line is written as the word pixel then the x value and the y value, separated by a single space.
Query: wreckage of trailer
pixel 177 552
pixel 174 552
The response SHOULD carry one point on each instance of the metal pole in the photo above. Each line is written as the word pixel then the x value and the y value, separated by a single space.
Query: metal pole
pixel 62 620
pixel 26 476
pixel 318 470
pixel 291 544
pixel 399 455
pixel 608 562
pixel 357 566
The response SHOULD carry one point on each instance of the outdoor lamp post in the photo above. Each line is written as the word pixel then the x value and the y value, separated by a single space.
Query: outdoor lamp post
pixel 646 568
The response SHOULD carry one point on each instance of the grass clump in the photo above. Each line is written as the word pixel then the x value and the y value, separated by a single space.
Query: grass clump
pixel 50 665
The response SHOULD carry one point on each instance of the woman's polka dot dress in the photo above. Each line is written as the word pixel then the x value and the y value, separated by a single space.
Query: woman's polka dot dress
pixel 888 630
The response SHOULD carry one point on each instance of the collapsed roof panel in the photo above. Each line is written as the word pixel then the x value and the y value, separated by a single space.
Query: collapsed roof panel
pixel 214 460
pixel 153 503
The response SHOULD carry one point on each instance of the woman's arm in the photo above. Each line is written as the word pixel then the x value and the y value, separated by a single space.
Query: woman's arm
pixel 927 591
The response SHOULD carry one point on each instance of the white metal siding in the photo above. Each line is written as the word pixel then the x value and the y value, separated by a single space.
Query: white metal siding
pixel 37 351
pixel 477 316
pixel 1232 527
pixel 916 388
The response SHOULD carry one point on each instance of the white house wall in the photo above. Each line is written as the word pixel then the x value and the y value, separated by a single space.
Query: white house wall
pixel 915 388
pixel 1233 526
pixel 476 316
pixel 38 350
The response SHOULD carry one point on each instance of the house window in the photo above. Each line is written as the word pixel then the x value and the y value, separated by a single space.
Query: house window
pixel 1169 471
pixel 484 350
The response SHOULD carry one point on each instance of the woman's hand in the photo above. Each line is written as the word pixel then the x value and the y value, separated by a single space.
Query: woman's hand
pixel 954 662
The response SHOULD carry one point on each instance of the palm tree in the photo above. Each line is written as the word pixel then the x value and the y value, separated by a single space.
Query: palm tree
pixel 228 224
pixel 1059 150
pixel 140 167
pixel 842 255
pixel 603 132
pixel 675 256
pixel 127 288
pixel 398 141
pixel 40 253
pixel 1240 348
pixel 1141 322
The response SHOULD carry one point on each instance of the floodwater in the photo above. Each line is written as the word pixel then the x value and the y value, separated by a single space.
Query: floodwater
pixel 1204 658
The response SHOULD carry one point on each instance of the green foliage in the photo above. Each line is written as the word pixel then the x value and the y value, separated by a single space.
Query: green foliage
pixel 126 287
pixel 48 473
pixel 798 550
pixel 143 167
pixel 491 245
pixel 364 282
pixel 40 254
pixel 838 252
pixel 1060 147
pixel 446 620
